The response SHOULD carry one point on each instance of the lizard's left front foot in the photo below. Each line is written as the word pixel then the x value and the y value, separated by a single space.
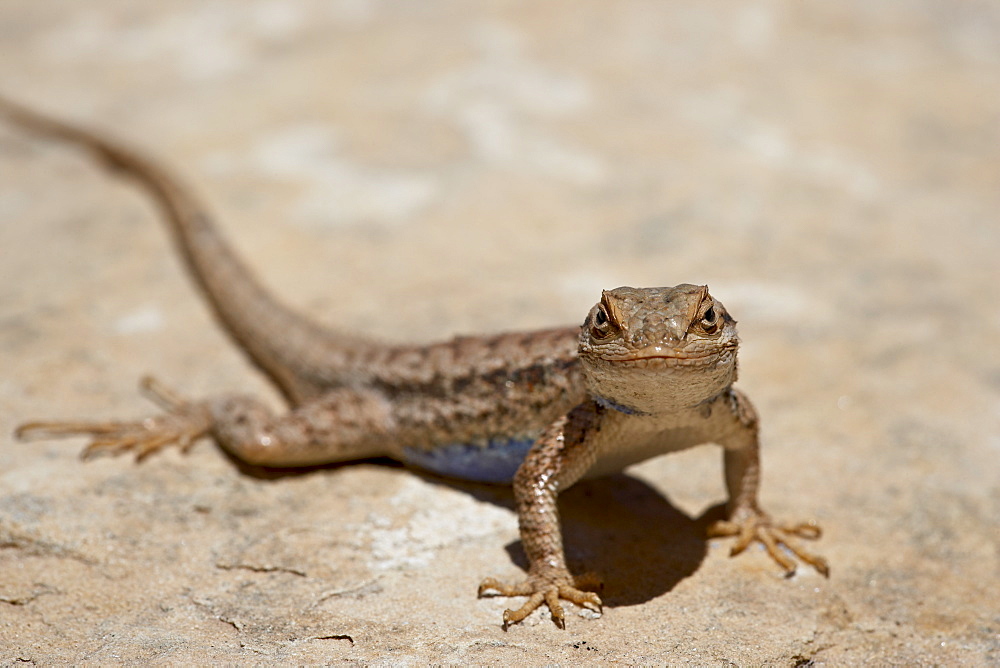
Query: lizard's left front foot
pixel 757 525
pixel 546 587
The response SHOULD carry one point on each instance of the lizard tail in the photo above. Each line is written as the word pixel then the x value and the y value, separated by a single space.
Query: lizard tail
pixel 284 344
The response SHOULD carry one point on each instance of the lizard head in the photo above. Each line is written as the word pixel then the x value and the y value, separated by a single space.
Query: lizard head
pixel 646 350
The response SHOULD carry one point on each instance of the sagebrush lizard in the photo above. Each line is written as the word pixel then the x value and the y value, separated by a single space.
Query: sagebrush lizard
pixel 650 371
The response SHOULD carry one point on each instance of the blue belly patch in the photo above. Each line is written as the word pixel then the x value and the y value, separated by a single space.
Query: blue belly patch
pixel 627 410
pixel 494 461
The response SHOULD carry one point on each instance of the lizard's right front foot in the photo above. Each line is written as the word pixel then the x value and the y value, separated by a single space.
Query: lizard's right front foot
pixel 546 587
pixel 182 424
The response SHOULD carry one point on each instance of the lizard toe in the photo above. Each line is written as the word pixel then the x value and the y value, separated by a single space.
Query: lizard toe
pixel 182 426
pixel 778 539
pixel 548 589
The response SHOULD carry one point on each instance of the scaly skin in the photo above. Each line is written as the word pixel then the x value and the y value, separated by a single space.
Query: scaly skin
pixel 650 371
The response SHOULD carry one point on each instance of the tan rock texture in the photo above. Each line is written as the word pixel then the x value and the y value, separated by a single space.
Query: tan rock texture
pixel 413 170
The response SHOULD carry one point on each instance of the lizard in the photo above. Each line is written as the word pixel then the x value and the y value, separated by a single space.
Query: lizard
pixel 650 371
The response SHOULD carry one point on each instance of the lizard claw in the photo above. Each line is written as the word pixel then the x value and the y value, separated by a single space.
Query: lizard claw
pixel 182 424
pixel 547 588
pixel 759 526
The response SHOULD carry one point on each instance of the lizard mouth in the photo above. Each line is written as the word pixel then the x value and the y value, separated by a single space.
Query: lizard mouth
pixel 662 356
pixel 666 353
pixel 663 362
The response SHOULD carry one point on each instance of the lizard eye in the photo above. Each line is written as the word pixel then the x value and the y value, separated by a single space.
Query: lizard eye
pixel 710 320
pixel 601 327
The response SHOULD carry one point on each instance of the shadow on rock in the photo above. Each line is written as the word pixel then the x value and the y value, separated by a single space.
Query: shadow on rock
pixel 630 535
pixel 274 473
pixel 618 527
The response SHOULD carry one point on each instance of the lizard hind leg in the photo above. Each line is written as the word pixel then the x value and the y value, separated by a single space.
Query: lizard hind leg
pixel 340 425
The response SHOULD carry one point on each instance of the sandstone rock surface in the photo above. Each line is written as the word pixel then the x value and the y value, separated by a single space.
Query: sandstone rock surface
pixel 417 170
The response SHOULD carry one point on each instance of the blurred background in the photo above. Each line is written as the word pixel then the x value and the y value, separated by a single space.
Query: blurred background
pixel 416 170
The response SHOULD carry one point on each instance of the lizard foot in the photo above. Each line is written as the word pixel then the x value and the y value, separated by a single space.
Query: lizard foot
pixel 548 588
pixel 759 526
pixel 182 424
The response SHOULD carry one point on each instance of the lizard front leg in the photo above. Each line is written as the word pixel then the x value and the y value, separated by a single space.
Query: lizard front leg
pixel 337 426
pixel 558 459
pixel 747 522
